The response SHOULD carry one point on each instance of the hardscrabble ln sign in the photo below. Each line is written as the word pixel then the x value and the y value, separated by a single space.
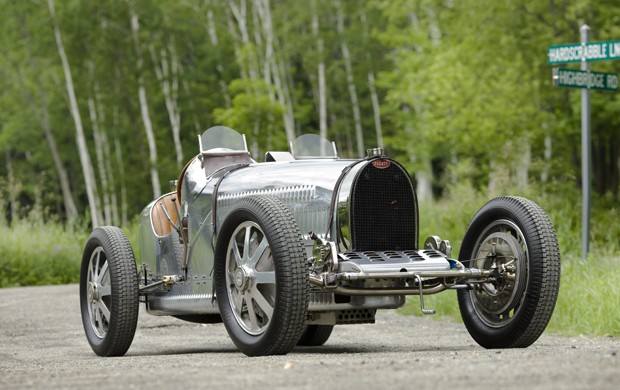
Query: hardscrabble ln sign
pixel 594 51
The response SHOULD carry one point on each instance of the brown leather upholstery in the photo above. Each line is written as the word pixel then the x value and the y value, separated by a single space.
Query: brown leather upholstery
pixel 159 220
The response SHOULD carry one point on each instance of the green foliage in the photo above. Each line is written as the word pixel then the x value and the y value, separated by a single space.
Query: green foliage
pixel 38 253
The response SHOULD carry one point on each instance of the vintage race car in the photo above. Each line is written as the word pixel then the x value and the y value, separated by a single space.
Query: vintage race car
pixel 283 250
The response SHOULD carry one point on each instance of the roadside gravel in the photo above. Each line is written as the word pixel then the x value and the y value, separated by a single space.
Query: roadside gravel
pixel 42 345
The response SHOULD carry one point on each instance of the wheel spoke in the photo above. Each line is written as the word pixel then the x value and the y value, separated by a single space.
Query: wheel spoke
pixel 104 291
pixel 262 302
pixel 98 321
pixel 102 272
pixel 252 317
pixel 246 243
pixel 105 312
pixel 258 252
pixel 94 266
pixel 238 302
pixel 236 254
pixel 265 277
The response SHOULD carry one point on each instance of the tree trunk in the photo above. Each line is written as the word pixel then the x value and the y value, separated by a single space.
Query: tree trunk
pixel 374 98
pixel 12 191
pixel 376 108
pixel 99 151
pixel 220 69
pixel 239 12
pixel 144 107
pixel 87 167
pixel 167 75
pixel 275 69
pixel 320 72
pixel 523 167
pixel 544 175
pixel 359 135
pixel 121 171
pixel 42 115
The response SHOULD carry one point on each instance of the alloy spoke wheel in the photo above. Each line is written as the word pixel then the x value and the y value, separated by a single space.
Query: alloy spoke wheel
pixel 99 292
pixel 250 277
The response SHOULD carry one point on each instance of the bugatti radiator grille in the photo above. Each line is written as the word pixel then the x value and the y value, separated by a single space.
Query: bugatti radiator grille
pixel 383 208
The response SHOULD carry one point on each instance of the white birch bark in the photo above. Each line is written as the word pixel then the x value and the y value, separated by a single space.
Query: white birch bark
pixel 87 168
pixel 99 151
pixel 118 152
pixel 167 75
pixel 12 190
pixel 41 113
pixel 107 159
pixel 320 73
pixel 374 98
pixel 144 107
pixel 119 166
pixel 220 69
pixel 376 108
pixel 346 56
pixel 239 12
pixel 273 67
pixel 544 175
pixel 523 166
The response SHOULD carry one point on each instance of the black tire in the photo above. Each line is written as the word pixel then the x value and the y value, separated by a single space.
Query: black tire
pixel 109 292
pixel 263 305
pixel 315 335
pixel 511 312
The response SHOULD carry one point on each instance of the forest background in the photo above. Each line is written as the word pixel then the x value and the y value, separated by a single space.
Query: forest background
pixel 101 103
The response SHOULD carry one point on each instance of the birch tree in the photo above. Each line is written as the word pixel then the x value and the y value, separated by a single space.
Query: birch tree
pixel 41 113
pixel 216 45
pixel 87 167
pixel 376 107
pixel 320 72
pixel 144 105
pixel 99 153
pixel 346 56
pixel 273 67
pixel 167 73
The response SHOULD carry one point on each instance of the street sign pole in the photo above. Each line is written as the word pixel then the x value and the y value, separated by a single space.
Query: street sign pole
pixel 585 152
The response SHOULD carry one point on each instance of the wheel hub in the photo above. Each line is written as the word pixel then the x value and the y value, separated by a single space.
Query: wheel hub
pixel 502 252
pixel 93 292
pixel 241 279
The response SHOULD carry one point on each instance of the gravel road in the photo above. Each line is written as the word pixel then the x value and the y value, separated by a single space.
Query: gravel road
pixel 42 345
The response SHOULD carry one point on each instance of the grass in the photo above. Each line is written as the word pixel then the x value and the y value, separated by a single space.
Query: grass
pixel 34 252
pixel 39 253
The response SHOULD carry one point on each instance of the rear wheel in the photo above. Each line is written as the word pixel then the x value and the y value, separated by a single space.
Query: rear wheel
pixel 315 335
pixel 514 237
pixel 261 277
pixel 109 292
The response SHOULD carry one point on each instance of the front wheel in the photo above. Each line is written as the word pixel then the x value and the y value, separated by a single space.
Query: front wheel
pixel 109 292
pixel 514 237
pixel 261 277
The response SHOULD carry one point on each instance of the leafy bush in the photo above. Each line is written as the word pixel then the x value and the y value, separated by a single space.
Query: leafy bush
pixel 33 252
pixel 39 253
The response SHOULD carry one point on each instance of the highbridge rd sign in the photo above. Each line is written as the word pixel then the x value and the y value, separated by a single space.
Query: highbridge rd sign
pixel 594 51
pixel 571 78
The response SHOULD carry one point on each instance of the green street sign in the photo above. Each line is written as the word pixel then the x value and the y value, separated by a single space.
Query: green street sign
pixel 593 51
pixel 570 78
